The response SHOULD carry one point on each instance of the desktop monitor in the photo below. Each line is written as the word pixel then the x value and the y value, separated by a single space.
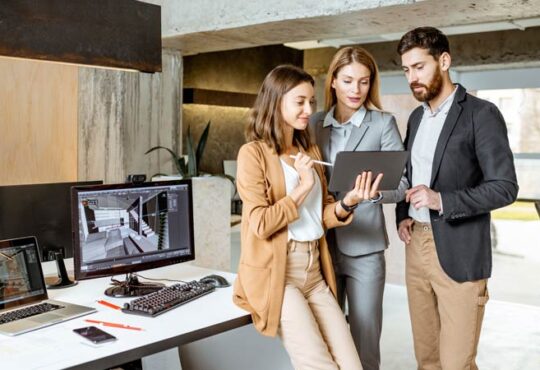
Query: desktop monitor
pixel 40 210
pixel 125 228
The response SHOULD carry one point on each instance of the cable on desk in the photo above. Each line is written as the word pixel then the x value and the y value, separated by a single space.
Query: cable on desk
pixel 175 281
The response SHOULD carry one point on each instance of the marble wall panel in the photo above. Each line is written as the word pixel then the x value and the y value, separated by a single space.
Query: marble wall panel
pixel 212 222
pixel 226 134
pixel 122 114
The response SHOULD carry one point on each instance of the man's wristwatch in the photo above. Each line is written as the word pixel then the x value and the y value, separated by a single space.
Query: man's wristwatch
pixel 346 207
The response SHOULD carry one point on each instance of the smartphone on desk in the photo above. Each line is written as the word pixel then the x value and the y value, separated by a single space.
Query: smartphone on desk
pixel 95 335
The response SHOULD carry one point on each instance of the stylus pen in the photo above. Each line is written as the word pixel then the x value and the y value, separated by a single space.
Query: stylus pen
pixel 315 161
pixel 113 324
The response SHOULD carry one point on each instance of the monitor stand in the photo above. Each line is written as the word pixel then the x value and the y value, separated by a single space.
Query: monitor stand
pixel 63 278
pixel 131 287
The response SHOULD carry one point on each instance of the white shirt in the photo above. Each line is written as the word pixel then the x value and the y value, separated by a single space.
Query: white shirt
pixel 423 150
pixel 340 132
pixel 308 226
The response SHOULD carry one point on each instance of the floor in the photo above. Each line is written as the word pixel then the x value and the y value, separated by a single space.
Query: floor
pixel 510 336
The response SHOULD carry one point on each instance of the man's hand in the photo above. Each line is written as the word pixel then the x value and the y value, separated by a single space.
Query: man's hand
pixel 405 230
pixel 422 196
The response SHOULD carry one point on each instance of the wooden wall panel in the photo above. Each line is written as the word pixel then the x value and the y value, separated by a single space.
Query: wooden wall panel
pixel 38 122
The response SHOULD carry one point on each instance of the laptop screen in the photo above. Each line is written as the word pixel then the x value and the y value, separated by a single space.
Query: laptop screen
pixel 21 277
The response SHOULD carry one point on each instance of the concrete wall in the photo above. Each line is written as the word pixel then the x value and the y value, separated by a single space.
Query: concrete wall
pixel 235 14
pixel 213 25
pixel 478 51
pixel 240 71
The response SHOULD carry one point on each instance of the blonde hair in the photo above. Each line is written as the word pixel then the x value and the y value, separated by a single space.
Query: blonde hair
pixel 344 57
pixel 266 121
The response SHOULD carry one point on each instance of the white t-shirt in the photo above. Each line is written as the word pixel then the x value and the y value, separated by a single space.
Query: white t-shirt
pixel 308 227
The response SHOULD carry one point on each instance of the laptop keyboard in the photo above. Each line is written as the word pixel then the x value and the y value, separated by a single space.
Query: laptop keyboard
pixel 27 312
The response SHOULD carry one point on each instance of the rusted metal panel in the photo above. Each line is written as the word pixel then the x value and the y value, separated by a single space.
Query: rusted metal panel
pixel 109 33
pixel 214 97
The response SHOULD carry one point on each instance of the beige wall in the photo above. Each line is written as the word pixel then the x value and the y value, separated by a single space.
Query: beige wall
pixel 38 122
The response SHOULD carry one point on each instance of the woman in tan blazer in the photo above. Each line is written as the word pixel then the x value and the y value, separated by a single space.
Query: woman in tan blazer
pixel 285 278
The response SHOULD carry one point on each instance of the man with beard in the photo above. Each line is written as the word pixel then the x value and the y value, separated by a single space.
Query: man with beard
pixel 460 168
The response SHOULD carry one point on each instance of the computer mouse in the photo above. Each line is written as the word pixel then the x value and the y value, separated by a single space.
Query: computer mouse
pixel 215 280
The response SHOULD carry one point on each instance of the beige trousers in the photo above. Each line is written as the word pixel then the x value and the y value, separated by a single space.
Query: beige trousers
pixel 446 316
pixel 312 327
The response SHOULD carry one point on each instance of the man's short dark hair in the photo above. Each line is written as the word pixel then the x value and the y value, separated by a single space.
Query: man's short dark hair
pixel 429 38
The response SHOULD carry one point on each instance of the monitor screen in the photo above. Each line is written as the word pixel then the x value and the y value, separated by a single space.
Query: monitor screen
pixel 125 228
pixel 40 210
pixel 21 278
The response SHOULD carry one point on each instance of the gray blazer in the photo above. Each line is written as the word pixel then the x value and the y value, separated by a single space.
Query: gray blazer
pixel 367 232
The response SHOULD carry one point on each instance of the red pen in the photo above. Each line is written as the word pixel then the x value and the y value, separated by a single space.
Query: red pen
pixel 112 324
pixel 108 304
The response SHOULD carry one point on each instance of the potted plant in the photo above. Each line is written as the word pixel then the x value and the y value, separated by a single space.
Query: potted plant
pixel 191 168
pixel 194 157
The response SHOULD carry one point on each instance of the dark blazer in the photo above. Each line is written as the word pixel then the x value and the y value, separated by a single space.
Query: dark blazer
pixel 473 169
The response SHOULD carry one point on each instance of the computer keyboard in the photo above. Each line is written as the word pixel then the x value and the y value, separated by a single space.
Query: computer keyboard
pixel 166 299
pixel 27 312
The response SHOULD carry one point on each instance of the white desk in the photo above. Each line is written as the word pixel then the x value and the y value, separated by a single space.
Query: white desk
pixel 57 347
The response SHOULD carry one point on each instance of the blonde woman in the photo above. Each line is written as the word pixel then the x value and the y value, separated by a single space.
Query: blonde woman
pixel 353 120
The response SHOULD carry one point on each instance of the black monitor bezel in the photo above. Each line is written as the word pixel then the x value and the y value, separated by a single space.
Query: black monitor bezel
pixel 82 275
pixel 17 190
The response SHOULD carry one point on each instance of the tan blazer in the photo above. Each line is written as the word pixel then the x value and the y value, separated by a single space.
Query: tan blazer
pixel 266 212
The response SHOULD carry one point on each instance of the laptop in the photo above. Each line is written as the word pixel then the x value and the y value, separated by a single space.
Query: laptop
pixel 24 303
pixel 348 165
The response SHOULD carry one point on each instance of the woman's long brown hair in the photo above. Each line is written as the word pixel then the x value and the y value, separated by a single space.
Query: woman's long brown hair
pixel 266 121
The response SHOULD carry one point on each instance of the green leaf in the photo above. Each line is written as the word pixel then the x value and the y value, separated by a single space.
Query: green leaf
pixel 202 142
pixel 182 166
pixel 231 179
pixel 173 154
pixel 192 159
pixel 176 158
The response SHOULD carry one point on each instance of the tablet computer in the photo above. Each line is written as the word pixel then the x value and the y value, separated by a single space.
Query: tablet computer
pixel 348 165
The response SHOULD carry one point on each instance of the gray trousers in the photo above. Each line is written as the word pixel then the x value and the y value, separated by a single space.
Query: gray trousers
pixel 360 281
